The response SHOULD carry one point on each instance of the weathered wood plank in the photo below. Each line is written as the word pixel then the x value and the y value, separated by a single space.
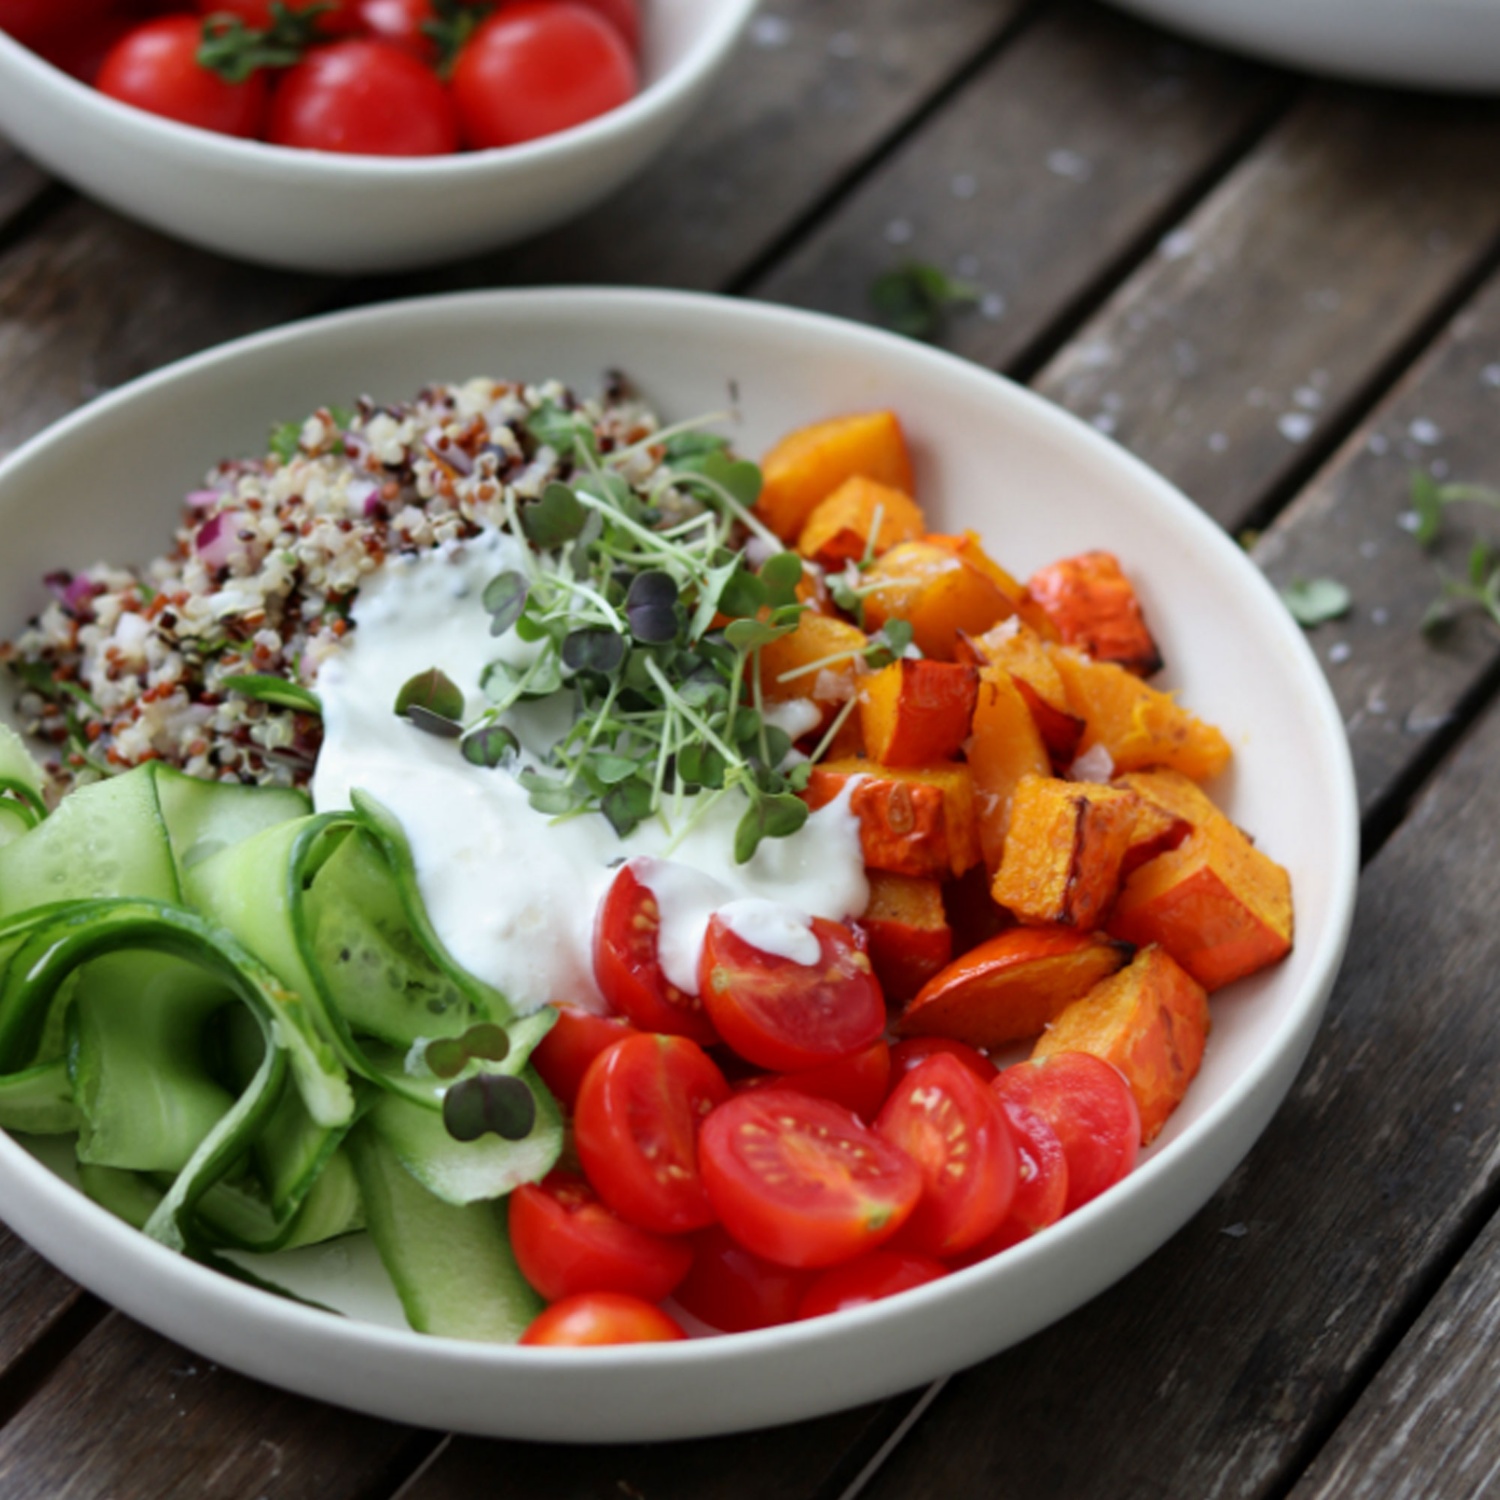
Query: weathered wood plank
pixel 32 1298
pixel 1430 1424
pixel 787 1463
pixel 21 184
pixel 127 1413
pixel 1262 320
pixel 1211 1369
pixel 1399 689
pixel 1050 165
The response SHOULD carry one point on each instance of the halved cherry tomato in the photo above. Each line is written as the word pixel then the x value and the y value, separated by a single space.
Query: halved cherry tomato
pixel 1041 1185
pixel 628 970
pixel 563 1056
pixel 734 1289
pixel 912 1051
pixel 364 98
pixel 955 1129
pixel 881 1273
pixel 1090 1107
pixel 155 67
pixel 602 1318
pixel 858 1080
pixel 801 1181
pixel 786 1015
pixel 539 66
pixel 636 1129
pixel 567 1241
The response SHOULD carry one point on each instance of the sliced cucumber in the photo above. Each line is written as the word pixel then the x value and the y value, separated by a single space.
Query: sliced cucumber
pixel 39 1100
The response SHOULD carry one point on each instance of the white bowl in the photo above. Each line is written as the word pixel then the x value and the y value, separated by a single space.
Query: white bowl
pixel 321 211
pixel 1039 484
pixel 1441 44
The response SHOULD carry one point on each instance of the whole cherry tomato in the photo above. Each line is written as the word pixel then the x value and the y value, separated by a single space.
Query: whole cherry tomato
pixel 624 16
pixel 788 1015
pixel 627 964
pixel 858 1080
pixel 955 1130
pixel 29 21
pixel 567 1241
pixel 1090 1107
pixel 911 1052
pixel 335 18
pixel 734 1289
pixel 80 50
pixel 636 1129
pixel 881 1273
pixel 155 67
pixel 563 1056
pixel 366 98
pixel 801 1181
pixel 403 24
pixel 537 67
pixel 601 1318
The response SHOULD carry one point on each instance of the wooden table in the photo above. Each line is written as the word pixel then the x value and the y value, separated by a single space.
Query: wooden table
pixel 1284 294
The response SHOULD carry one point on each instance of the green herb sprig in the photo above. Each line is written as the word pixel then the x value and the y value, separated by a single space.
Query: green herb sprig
pixel 1480 588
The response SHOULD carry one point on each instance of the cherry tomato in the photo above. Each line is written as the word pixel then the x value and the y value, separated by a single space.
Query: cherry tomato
pixel 734 1289
pixel 911 1052
pixel 628 970
pixel 366 98
pixel 787 1015
pixel 155 67
pixel 858 1080
pixel 1041 1185
pixel 881 1273
pixel 29 21
pixel 636 1129
pixel 340 18
pixel 955 1129
pixel 1090 1107
pixel 402 23
pixel 801 1181
pixel 537 67
pixel 80 50
pixel 624 16
pixel 563 1056
pixel 601 1318
pixel 566 1241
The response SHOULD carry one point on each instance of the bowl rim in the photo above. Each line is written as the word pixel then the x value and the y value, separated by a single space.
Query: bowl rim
pixel 1263 1077
pixel 226 152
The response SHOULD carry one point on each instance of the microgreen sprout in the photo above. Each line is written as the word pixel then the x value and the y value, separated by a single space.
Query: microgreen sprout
pixel 1312 601
pixel 1429 499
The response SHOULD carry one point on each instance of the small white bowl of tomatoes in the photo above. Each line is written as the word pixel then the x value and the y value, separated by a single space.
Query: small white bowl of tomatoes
pixel 351 136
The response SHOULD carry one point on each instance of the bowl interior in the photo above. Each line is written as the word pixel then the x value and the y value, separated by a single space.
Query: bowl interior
pixel 1035 483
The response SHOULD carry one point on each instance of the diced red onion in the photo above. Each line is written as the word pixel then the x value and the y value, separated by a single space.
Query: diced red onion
pixel 72 592
pixel 203 499
pixel 216 539
pixel 364 496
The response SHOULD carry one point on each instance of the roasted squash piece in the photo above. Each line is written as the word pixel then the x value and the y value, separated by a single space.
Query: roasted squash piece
pixel 1139 726
pixel 843 528
pixel 1004 746
pixel 1151 1021
pixel 1063 853
pixel 1218 905
pixel 908 932
pixel 913 713
pixel 808 465
pixel 968 546
pixel 1019 650
pixel 789 665
pixel 1009 988
pixel 936 591
pixel 1095 608
pixel 913 820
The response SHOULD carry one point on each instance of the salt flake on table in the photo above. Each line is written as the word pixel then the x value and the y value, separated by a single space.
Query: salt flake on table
pixel 1340 652
pixel 992 306
pixel 770 31
pixel 1235 1231
pixel 964 185
pixel 1069 164
pixel 899 232
pixel 1295 426
pixel 1425 431
pixel 1178 243
pixel 1490 376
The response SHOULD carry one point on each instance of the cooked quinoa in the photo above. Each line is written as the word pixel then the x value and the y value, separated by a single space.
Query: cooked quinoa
pixel 127 665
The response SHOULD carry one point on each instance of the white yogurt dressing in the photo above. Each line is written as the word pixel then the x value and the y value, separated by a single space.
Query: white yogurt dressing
pixel 511 892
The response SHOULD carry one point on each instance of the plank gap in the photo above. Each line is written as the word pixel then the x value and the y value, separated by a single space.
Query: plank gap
pixel 35 1367
pixel 30 216
pixel 828 205
pixel 1029 362
pixel 407 1465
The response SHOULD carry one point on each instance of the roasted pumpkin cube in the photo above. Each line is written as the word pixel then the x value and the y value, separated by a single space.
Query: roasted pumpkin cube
pixel 912 820
pixel 913 713
pixel 908 932
pixel 860 516
pixel 939 594
pixel 968 546
pixel 820 660
pixel 808 465
pixel 1151 1021
pixel 1216 903
pixel 1063 853
pixel 1009 988
pixel 1019 650
pixel 1095 608
pixel 1138 725
pixel 1004 746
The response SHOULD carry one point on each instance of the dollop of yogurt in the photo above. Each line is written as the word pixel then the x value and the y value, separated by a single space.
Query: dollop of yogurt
pixel 511 892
